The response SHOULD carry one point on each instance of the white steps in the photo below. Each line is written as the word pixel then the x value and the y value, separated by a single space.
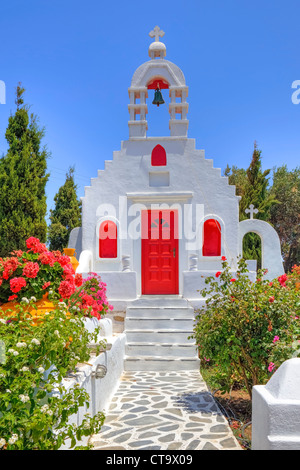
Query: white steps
pixel 157 333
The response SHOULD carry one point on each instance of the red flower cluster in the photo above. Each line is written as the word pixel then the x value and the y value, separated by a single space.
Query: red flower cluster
pixel 66 289
pixel 282 280
pixel 47 257
pixel 17 283
pixel 9 265
pixel 31 269
pixel 34 244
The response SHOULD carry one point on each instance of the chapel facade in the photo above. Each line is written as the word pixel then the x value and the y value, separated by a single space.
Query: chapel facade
pixel 159 217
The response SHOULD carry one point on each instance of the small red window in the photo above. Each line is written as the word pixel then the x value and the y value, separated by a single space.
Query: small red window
pixel 211 238
pixel 108 240
pixel 158 156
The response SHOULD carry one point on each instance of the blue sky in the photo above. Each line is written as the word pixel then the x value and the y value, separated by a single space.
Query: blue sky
pixel 76 60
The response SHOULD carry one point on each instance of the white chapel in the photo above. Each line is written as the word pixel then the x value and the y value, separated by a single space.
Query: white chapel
pixel 159 218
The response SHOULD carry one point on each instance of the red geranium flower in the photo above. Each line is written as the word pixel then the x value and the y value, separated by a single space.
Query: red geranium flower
pixel 47 258
pixel 34 244
pixel 78 280
pixel 66 289
pixel 12 297
pixel 218 273
pixel 31 269
pixel 17 283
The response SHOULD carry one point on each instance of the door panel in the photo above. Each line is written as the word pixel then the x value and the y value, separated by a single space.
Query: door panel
pixel 159 252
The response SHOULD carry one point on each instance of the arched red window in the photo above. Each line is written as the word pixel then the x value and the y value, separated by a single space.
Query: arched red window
pixel 211 238
pixel 158 156
pixel 108 240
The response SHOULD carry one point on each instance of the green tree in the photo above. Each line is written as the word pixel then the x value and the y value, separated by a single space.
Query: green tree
pixel 23 180
pixel 285 216
pixel 66 215
pixel 253 187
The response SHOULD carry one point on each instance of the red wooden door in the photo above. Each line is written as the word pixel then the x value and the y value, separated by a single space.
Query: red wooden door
pixel 159 252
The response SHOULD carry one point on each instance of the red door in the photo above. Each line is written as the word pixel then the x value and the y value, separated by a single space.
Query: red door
pixel 159 252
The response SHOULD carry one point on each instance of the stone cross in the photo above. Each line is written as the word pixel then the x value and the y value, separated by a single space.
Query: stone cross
pixel 157 32
pixel 251 211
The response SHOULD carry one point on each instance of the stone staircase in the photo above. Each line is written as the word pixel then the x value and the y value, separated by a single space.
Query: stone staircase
pixel 157 330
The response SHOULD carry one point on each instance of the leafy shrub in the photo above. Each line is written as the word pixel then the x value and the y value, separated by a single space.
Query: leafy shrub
pixel 35 407
pixel 247 328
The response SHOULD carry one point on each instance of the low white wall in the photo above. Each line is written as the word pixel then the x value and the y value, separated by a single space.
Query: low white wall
pixel 100 390
pixel 276 410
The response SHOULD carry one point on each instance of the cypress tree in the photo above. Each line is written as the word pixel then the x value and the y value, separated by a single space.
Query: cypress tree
pixel 255 192
pixel 23 180
pixel 66 215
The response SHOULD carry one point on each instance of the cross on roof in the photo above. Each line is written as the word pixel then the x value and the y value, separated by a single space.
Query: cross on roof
pixel 251 211
pixel 157 32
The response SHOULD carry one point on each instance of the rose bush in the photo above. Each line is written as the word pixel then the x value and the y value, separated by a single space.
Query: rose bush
pixel 247 328
pixel 35 408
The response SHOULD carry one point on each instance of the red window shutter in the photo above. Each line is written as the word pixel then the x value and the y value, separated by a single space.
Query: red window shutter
pixel 211 238
pixel 158 156
pixel 108 240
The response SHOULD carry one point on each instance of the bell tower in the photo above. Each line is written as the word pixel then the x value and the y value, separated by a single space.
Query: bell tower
pixel 157 74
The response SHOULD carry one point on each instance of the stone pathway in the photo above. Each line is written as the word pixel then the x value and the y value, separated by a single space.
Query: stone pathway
pixel 166 411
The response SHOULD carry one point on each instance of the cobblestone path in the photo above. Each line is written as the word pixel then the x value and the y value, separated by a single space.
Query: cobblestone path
pixel 166 411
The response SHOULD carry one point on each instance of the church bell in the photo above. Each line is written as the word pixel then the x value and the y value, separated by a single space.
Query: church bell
pixel 158 99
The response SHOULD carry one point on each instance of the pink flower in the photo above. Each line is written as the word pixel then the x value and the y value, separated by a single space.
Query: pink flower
pixel 276 338
pixel 271 366
pixel 47 284
pixel 218 273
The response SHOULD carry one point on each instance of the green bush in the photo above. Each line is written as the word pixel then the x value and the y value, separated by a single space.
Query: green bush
pixel 247 328
pixel 35 408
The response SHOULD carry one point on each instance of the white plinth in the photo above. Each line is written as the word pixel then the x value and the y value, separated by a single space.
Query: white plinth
pixel 276 410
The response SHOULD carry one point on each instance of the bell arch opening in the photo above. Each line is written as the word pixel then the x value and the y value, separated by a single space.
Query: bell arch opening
pixel 158 116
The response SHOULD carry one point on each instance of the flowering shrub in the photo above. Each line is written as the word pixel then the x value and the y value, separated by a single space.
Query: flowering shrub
pixel 36 271
pixel 35 408
pixel 247 328
pixel 91 298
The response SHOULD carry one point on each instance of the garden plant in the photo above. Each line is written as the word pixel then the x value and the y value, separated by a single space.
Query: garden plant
pixel 247 329
pixel 37 357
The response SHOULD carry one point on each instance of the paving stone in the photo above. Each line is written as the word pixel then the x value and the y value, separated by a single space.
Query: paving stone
pixel 186 435
pixel 174 446
pixel 193 445
pixel 140 443
pixel 219 428
pixel 167 438
pixel 209 446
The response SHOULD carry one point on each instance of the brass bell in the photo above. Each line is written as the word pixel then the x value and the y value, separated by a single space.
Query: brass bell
pixel 158 99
